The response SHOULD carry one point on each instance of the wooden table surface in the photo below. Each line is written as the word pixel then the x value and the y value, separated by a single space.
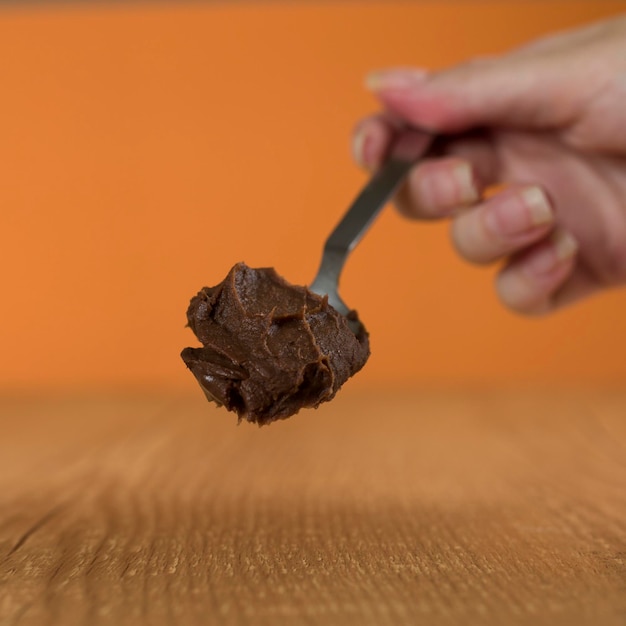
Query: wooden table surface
pixel 420 508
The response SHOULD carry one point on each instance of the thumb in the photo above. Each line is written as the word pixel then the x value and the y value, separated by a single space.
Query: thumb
pixel 522 92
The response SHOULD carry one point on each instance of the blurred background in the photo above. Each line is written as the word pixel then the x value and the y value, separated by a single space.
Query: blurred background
pixel 147 147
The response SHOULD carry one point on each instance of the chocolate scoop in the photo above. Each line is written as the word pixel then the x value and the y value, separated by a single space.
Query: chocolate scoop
pixel 270 348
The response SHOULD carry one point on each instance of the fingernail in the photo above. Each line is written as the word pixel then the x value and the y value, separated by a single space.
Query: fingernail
pixel 562 248
pixel 465 184
pixel 395 79
pixel 538 207
pixel 519 213
pixel 565 245
pixel 358 144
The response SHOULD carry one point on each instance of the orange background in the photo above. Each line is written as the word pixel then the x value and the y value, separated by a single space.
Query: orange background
pixel 146 148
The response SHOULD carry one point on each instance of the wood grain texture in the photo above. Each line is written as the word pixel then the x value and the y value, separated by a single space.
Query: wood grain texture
pixel 424 508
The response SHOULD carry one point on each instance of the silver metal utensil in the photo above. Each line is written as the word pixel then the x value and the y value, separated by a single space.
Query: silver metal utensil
pixel 408 148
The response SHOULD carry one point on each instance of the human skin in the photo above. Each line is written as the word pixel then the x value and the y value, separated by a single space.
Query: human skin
pixel 544 126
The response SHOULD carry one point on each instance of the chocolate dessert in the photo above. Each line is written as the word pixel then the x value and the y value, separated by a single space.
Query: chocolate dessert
pixel 269 348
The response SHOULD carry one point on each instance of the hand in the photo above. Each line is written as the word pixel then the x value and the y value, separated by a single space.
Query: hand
pixel 545 123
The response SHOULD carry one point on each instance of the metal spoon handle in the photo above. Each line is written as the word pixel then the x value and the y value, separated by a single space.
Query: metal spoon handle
pixel 407 149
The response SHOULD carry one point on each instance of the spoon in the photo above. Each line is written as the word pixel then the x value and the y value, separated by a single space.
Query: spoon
pixel 407 149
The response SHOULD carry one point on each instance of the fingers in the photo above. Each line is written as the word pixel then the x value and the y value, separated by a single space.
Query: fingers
pixel 373 136
pixel 371 140
pixel 517 223
pixel 514 90
pixel 503 225
pixel 436 187
pixel 533 282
